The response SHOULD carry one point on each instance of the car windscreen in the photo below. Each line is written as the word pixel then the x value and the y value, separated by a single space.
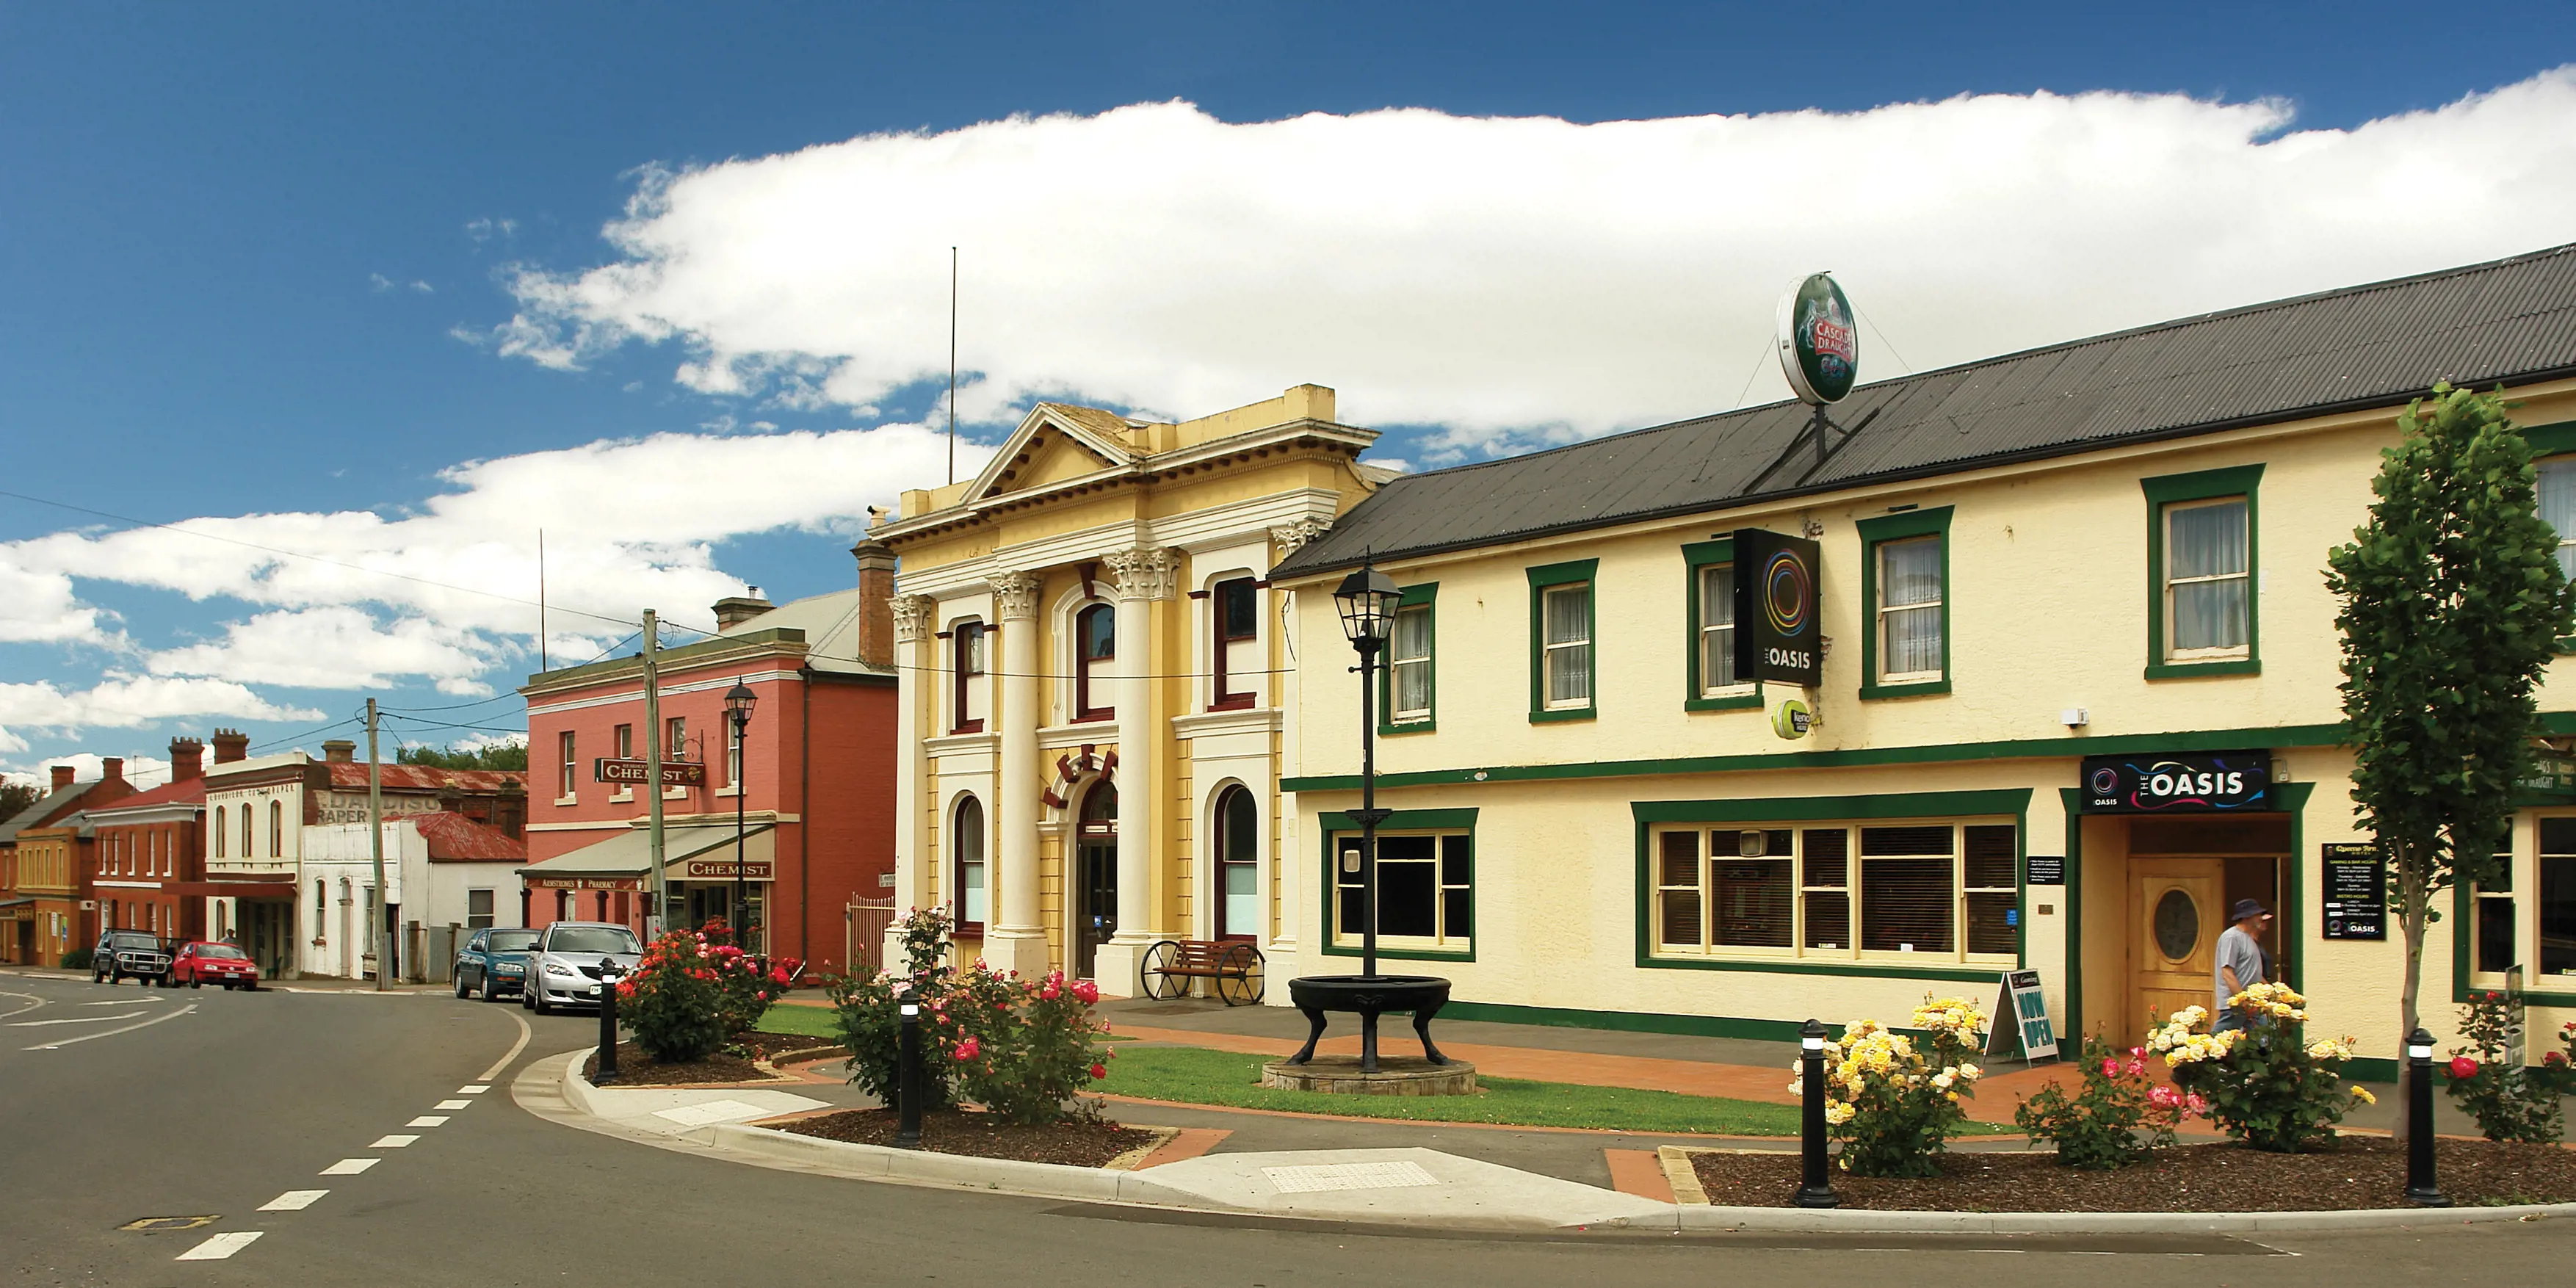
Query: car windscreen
pixel 515 941
pixel 590 939
pixel 220 952
pixel 145 942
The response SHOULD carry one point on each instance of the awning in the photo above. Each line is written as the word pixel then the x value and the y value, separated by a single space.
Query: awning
pixel 622 862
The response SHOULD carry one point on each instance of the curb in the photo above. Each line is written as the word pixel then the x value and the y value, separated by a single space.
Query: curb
pixel 1837 1220
pixel 870 1162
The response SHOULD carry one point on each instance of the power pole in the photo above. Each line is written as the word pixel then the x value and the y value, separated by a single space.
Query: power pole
pixel 653 917
pixel 376 843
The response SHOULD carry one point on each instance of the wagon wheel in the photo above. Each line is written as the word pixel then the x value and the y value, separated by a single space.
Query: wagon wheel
pixel 1150 977
pixel 1238 978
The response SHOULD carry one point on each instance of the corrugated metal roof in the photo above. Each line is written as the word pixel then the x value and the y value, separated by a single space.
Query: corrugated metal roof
pixel 454 838
pixel 2509 321
pixel 351 775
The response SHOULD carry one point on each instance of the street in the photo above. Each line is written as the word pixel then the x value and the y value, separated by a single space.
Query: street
pixel 200 1103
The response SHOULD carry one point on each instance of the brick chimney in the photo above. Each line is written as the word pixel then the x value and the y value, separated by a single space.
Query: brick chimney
pixel 187 759
pixel 339 751
pixel 734 610
pixel 62 777
pixel 510 811
pixel 876 602
pixel 111 769
pixel 231 745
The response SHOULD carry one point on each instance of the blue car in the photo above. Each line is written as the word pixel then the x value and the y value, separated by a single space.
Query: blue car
pixel 495 962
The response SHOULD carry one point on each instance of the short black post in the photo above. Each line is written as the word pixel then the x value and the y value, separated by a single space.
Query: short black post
pixel 908 1079
pixel 2420 1189
pixel 1814 1191
pixel 607 1071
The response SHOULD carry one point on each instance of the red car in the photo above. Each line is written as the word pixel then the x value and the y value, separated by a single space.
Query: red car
pixel 202 961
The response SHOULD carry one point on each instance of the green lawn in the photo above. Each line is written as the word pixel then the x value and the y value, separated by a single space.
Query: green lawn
pixel 804 1021
pixel 1223 1078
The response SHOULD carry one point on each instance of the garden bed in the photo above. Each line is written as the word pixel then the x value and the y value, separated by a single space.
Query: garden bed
pixel 2361 1172
pixel 793 1046
pixel 1072 1142
pixel 636 1069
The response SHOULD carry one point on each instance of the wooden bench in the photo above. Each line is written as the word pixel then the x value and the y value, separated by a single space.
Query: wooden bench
pixel 1171 964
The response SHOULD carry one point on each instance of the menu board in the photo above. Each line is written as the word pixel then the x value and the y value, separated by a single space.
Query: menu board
pixel 2356 889
pixel 2044 869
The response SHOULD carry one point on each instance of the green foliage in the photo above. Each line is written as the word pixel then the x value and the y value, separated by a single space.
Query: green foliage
pixel 2452 603
pixel 2265 1084
pixel 1025 1046
pixel 1892 1100
pixel 2509 1103
pixel 673 1001
pixel 506 755
pixel 867 1009
pixel 746 986
pixel 2097 1128
pixel 76 959
pixel 925 933
pixel 15 798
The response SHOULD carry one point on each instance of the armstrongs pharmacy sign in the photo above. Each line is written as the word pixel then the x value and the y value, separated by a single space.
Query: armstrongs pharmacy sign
pixel 2178 782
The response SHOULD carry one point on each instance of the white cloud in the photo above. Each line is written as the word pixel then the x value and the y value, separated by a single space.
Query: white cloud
pixel 1529 275
pixel 39 608
pixel 336 647
pixel 130 701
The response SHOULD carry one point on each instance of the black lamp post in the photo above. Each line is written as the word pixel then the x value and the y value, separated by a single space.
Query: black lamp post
pixel 2420 1188
pixel 1367 600
pixel 738 702
pixel 1814 1189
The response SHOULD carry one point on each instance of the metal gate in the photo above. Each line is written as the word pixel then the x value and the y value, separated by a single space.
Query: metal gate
pixel 864 923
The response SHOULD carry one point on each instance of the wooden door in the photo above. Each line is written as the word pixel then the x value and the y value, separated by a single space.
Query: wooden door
pixel 2175 916
pixel 1095 910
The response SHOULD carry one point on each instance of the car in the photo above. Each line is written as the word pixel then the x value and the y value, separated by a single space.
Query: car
pixel 123 954
pixel 564 968
pixel 202 961
pixel 495 962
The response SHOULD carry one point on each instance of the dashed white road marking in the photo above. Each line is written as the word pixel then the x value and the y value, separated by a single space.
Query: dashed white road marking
pixel 126 1002
pixel 109 1033
pixel 350 1166
pixel 78 1019
pixel 392 1142
pixel 474 1089
pixel 221 1246
pixel 293 1201
pixel 428 1120
pixel 453 1104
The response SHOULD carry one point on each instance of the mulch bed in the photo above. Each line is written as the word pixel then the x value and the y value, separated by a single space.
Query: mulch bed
pixel 636 1069
pixel 2361 1172
pixel 770 1046
pixel 1073 1142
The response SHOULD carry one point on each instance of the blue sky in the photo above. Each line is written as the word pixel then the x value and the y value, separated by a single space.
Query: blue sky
pixel 307 260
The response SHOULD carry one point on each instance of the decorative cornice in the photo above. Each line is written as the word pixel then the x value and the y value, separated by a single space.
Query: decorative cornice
pixel 1297 534
pixel 1144 572
pixel 1015 595
pixel 912 614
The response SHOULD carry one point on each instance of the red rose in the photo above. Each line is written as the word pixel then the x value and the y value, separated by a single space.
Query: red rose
pixel 2463 1067
pixel 1099 1071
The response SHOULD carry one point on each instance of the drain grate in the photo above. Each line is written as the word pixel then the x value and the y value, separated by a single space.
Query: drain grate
pixel 169 1223
pixel 1348 1176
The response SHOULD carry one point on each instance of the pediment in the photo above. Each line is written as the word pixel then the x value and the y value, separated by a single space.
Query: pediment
pixel 1056 442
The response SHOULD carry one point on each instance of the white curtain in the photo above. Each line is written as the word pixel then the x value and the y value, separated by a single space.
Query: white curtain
pixel 2558 506
pixel 1911 589
pixel 2208 542
pixel 1717 626
pixel 1413 660
pixel 1569 653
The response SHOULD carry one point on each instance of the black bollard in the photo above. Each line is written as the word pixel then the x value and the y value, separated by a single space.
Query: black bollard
pixel 908 1080
pixel 2420 1189
pixel 1814 1191
pixel 607 1072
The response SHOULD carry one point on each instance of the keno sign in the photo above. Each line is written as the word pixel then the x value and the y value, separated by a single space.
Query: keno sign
pixel 2178 783
pixel 1777 636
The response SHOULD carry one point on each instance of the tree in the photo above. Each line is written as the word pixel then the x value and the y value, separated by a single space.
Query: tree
pixel 501 755
pixel 16 797
pixel 2453 602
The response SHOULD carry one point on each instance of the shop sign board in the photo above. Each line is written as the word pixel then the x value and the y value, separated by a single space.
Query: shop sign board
pixel 2044 870
pixel 2356 889
pixel 2021 1019
pixel 1776 623
pixel 585 883
pixel 2182 782
pixel 722 870
pixel 675 773
pixel 1819 345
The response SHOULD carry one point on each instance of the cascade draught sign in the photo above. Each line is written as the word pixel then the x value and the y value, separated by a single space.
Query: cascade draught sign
pixel 1776 632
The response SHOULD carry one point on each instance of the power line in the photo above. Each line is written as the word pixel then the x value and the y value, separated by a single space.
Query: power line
pixel 295 737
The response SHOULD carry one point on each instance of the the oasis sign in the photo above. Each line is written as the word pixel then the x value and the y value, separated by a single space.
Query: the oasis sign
pixel 2178 782
pixel 1819 346
pixel 1776 628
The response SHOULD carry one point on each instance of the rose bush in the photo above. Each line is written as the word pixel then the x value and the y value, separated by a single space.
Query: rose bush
pixel 673 1000
pixel 2264 1084
pixel 2509 1103
pixel 747 985
pixel 2098 1127
pixel 1893 1102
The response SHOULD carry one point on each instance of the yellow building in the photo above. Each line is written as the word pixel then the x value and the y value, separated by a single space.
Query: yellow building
pixel 2103 557
pixel 1090 737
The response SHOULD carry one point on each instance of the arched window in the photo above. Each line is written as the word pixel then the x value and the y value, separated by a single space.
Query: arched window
pixel 277 829
pixel 974 891
pixel 1238 850
pixel 219 831
pixel 1100 813
pixel 1095 645
pixel 247 851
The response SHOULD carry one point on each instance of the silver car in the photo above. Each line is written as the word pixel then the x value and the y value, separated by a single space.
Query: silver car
pixel 564 967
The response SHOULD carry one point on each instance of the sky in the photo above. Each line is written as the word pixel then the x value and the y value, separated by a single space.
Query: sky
pixel 353 301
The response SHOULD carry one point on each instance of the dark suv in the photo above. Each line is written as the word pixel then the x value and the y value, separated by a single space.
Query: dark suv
pixel 123 954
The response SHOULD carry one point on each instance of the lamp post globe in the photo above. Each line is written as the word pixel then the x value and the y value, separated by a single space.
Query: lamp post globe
pixel 738 702
pixel 1367 600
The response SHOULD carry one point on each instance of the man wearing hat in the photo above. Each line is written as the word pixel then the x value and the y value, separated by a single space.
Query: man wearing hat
pixel 2240 960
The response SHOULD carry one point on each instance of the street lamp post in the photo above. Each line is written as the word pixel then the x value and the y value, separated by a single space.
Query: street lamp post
pixel 738 702
pixel 1367 600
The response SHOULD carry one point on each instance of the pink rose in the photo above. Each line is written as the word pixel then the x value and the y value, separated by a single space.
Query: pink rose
pixel 2137 1067
pixel 2110 1068
pixel 2196 1103
pixel 2137 1053
pixel 2463 1067
pixel 2164 1097
pixel 1086 992
pixel 969 1049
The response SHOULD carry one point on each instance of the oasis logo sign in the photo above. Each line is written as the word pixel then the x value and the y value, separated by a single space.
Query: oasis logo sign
pixel 1776 631
pixel 2178 782
pixel 1819 347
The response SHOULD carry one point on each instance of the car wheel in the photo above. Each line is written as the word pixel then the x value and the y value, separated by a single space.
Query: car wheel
pixel 97 978
pixel 196 983
pixel 460 984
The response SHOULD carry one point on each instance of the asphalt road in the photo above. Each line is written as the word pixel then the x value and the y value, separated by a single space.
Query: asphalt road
pixel 118 1104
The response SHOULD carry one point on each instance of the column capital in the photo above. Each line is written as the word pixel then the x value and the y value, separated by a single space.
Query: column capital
pixel 1015 595
pixel 912 613
pixel 1144 572
pixel 1294 536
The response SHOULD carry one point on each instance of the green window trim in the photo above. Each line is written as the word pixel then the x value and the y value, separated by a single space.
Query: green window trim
pixel 2547 441
pixel 1696 556
pixel 1334 822
pixel 1541 578
pixel 2204 485
pixel 1898 527
pixel 1990 803
pixel 1423 597
pixel 2464 936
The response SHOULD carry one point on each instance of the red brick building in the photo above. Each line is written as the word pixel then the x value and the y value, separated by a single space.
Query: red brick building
pixel 49 843
pixel 815 782
pixel 148 852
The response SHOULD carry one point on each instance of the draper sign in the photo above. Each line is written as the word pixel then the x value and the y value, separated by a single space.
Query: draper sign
pixel 1776 631
pixel 2178 782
